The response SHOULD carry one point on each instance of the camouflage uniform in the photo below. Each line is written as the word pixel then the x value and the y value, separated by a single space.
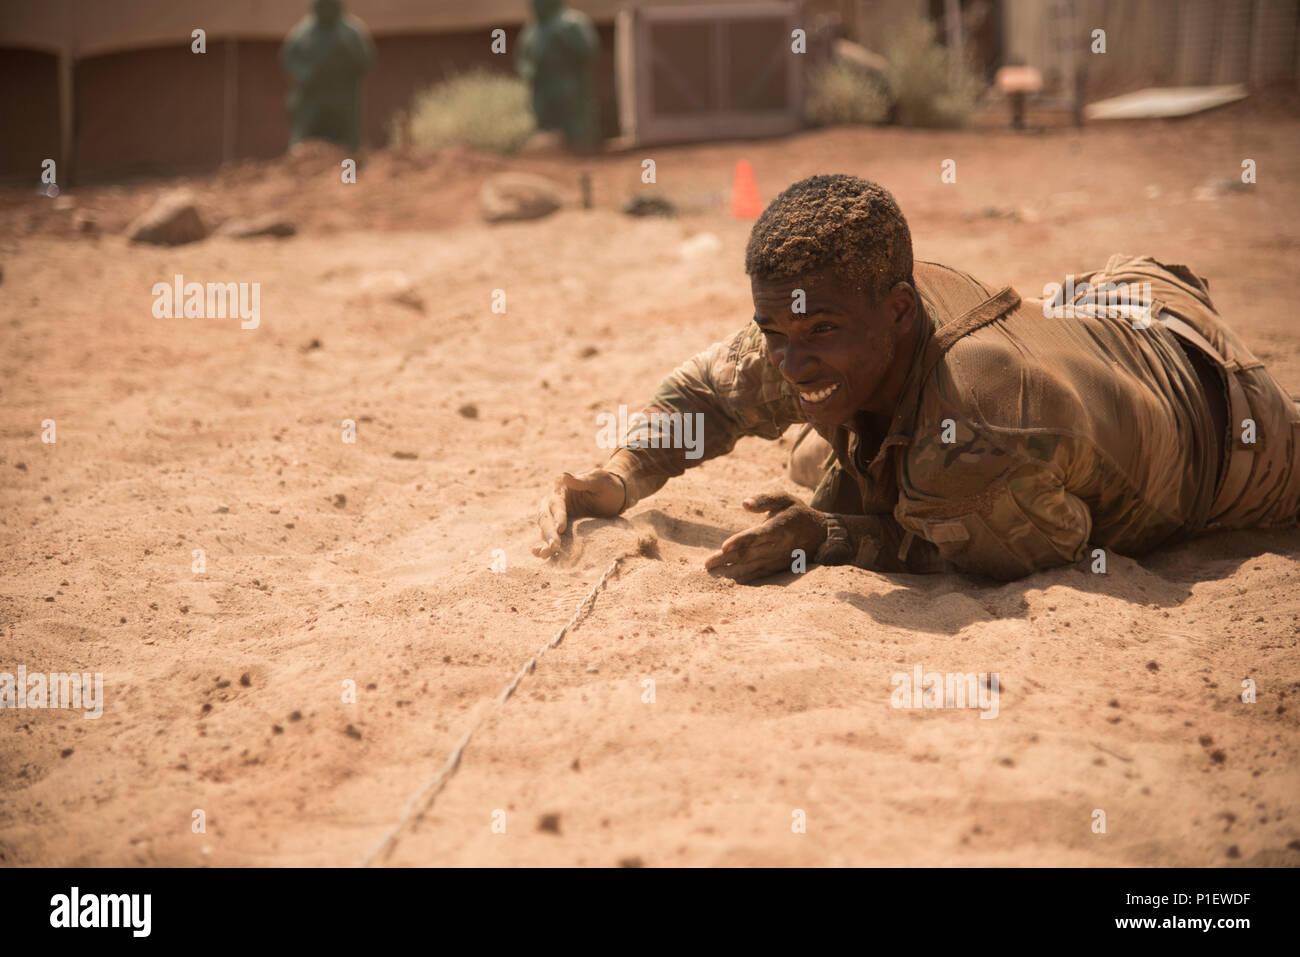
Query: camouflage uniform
pixel 1020 442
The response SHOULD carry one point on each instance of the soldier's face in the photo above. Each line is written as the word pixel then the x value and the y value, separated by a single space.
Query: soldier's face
pixel 837 349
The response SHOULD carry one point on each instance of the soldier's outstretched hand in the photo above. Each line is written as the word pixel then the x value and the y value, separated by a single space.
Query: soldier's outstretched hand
pixel 767 548
pixel 596 493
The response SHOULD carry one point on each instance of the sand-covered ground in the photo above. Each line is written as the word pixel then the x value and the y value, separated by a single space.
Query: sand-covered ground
pixel 330 562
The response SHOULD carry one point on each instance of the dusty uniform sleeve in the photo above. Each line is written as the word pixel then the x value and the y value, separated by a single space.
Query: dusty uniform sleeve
pixel 997 507
pixel 711 400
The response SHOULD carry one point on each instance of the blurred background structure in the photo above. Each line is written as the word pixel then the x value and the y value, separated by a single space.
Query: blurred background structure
pixel 111 87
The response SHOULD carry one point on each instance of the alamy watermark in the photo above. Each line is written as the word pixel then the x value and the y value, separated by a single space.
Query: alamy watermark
pixel 130 911
pixel 934 689
pixel 214 300
pixel 658 430
pixel 1112 300
pixel 55 690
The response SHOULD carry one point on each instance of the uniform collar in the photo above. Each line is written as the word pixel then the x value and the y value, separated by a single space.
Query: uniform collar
pixel 900 427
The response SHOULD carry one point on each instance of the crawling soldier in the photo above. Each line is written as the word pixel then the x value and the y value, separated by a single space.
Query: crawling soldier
pixel 959 427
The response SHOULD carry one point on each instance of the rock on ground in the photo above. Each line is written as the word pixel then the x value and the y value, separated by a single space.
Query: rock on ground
pixel 271 224
pixel 171 221
pixel 520 196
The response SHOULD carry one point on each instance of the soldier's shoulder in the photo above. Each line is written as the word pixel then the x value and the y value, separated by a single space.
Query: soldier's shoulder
pixel 741 369
pixel 949 291
pixel 1007 377
pixel 746 343
pixel 990 403
pixel 739 357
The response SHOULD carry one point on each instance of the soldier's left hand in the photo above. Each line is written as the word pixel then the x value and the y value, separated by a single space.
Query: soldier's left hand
pixel 767 548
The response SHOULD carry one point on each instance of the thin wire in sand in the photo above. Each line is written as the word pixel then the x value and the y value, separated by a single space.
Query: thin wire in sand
pixel 429 793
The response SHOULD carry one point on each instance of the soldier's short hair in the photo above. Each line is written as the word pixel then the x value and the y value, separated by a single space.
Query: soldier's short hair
pixel 842 224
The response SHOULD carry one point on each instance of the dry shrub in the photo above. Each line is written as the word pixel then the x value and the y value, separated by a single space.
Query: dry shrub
pixel 840 93
pixel 922 83
pixel 487 111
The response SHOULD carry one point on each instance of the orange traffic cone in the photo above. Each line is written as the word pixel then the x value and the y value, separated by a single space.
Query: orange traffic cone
pixel 745 203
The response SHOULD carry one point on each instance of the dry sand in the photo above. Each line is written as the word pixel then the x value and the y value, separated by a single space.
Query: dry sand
pixel 329 562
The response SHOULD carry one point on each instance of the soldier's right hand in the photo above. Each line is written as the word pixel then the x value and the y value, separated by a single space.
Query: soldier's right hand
pixel 596 493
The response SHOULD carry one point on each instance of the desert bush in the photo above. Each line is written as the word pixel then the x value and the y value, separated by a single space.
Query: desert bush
pixel 841 93
pixel 922 83
pixel 488 111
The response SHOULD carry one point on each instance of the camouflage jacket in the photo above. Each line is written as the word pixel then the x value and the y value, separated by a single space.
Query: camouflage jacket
pixel 1016 447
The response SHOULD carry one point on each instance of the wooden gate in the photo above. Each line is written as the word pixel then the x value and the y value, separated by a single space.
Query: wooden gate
pixel 712 71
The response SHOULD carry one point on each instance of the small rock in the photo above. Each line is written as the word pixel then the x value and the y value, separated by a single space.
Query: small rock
pixel 340 500
pixel 270 224
pixel 405 455
pixel 587 352
pixel 649 206
pixel 514 197
pixel 994 212
pixel 469 410
pixel 171 221
pixel 352 732
pixel 631 862
pixel 391 285
pixel 700 246
pixel 549 823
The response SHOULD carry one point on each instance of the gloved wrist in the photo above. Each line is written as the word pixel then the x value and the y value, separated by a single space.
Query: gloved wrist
pixel 838 548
